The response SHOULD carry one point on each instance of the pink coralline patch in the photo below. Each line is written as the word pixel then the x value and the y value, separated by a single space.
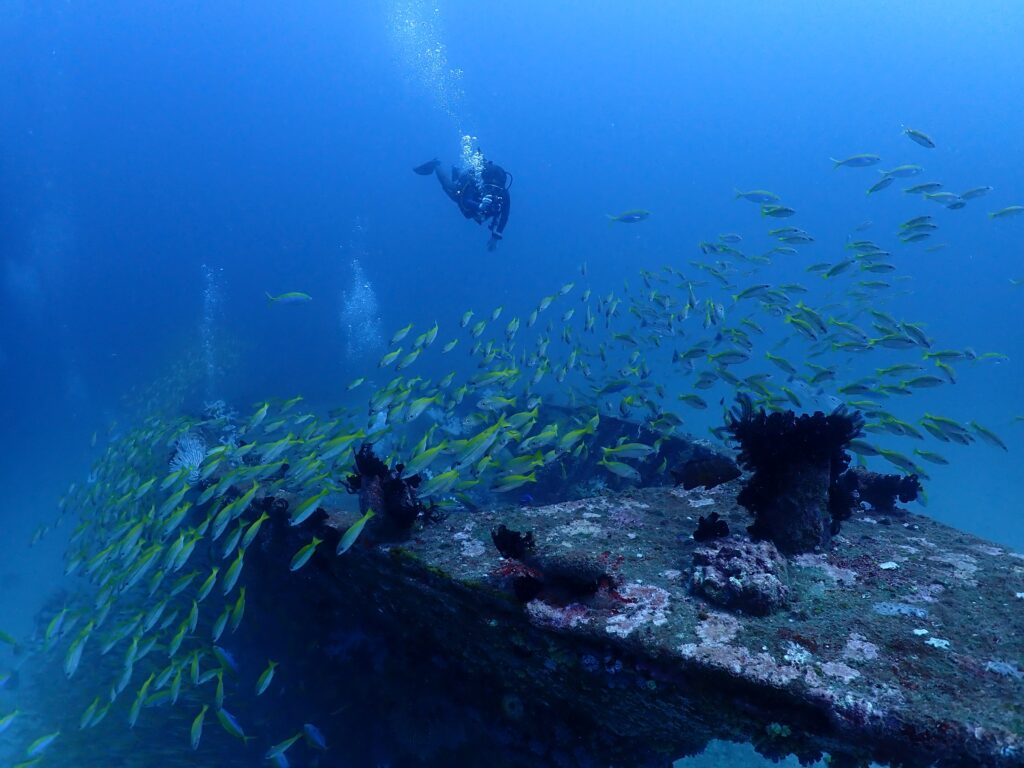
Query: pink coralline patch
pixel 838 669
pixel 718 629
pixel 641 604
pixel 612 563
pixel 836 575
pixel 859 649
pixel 557 617
pixel 762 666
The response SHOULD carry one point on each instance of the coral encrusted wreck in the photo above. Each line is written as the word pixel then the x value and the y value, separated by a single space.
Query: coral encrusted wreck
pixel 795 492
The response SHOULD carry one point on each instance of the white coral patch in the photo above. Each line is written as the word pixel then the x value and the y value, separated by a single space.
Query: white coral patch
pixel 796 653
pixel 472 548
pixel 837 575
pixel 718 629
pixel 578 528
pixel 925 593
pixel 991 551
pixel 964 565
pixel 839 670
pixel 558 618
pixel 859 649
pixel 645 604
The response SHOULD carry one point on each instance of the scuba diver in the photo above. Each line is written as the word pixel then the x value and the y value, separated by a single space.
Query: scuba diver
pixel 480 197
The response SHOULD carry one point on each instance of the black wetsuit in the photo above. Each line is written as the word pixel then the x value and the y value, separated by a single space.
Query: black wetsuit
pixel 485 200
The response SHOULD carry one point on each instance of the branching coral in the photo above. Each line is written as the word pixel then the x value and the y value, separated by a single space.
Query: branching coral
pixel 795 493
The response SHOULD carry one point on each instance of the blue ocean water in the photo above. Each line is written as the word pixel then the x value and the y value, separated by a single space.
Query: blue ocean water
pixel 164 166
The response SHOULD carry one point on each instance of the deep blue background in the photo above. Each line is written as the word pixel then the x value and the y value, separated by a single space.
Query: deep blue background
pixel 141 141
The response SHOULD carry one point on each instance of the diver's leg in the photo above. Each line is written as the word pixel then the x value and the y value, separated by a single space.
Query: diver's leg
pixel 427 168
pixel 450 185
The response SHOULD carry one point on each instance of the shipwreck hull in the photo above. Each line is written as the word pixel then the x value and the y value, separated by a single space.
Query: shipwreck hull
pixel 902 644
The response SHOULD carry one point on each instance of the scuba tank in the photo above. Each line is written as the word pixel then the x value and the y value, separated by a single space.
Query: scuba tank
pixel 493 175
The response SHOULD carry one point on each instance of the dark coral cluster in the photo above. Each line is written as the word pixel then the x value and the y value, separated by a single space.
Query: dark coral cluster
pixel 572 575
pixel 385 491
pixel 797 461
pixel 711 527
pixel 512 544
pixel 882 491
pixel 561 576
pixel 772 442
pixel 705 468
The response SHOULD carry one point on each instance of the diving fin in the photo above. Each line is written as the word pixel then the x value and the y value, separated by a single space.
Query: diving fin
pixel 427 168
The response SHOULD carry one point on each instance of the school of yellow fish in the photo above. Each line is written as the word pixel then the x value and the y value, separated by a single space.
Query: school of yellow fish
pixel 161 553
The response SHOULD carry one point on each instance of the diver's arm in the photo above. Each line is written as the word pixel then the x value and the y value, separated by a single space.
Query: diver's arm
pixel 499 222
